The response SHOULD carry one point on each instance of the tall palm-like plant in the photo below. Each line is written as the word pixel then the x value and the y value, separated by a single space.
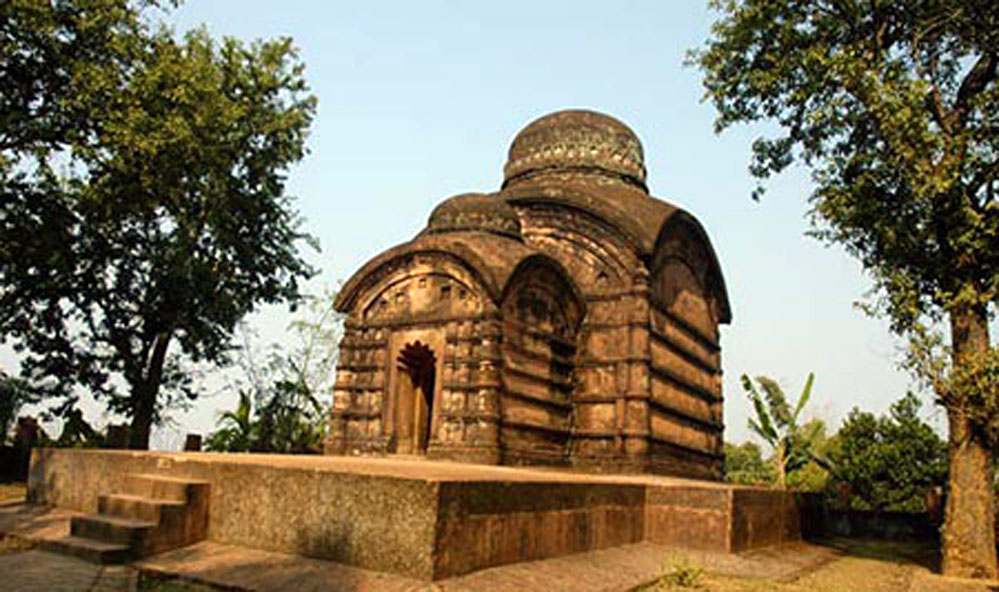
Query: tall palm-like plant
pixel 777 423
pixel 236 428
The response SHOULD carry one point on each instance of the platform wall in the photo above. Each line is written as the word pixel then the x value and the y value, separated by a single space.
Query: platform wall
pixel 379 523
pixel 428 527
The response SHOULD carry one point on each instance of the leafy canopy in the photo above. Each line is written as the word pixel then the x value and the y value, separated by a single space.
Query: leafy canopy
pixel 142 199
pixel 895 107
pixel 62 61
pixel 744 464
pixel 889 462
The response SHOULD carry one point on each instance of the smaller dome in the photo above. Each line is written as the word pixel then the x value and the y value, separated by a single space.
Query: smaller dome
pixel 475 211
pixel 576 141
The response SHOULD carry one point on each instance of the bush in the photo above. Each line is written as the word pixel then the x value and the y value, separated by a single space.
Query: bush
pixel 889 462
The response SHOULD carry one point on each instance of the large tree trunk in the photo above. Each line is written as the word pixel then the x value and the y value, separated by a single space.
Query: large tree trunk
pixel 143 404
pixel 969 535
pixel 144 394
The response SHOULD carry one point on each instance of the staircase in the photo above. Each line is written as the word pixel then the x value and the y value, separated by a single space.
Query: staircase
pixel 154 514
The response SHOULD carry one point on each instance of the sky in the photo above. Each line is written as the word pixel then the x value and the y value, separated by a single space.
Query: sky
pixel 419 101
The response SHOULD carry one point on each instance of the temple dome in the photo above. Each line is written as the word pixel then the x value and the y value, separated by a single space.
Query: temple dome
pixel 576 141
pixel 476 212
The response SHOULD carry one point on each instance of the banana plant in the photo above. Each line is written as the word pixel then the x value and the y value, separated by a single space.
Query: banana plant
pixel 777 423
pixel 236 428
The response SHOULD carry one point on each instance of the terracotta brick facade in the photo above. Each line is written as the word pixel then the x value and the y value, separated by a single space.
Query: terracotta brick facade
pixel 569 319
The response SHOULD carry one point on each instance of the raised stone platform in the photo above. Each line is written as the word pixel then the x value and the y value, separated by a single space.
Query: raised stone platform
pixel 424 519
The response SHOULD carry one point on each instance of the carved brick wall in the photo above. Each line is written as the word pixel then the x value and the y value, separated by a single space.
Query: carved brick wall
pixel 541 316
pixel 567 319
pixel 686 403
pixel 430 299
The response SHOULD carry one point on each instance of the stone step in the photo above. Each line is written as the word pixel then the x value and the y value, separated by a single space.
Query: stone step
pixel 159 487
pixel 124 505
pixel 89 549
pixel 112 529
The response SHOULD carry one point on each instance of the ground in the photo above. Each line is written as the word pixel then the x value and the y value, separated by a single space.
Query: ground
pixel 872 566
pixel 150 583
pixel 12 492
pixel 840 565
pixel 855 565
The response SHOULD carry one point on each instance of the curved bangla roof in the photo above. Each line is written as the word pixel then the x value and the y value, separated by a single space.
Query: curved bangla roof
pixel 490 257
pixel 576 159
pixel 474 211
pixel 594 163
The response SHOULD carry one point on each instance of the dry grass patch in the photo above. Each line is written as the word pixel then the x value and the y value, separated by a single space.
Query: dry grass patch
pixel 868 566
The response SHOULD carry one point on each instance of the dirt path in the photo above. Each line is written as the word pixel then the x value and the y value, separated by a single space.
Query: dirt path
pixel 867 566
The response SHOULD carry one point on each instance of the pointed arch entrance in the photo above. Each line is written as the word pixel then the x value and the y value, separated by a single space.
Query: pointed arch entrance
pixel 414 395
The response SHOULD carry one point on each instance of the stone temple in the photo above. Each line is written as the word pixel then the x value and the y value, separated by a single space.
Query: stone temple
pixel 568 319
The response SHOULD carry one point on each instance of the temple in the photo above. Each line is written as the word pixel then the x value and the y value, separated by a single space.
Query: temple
pixel 569 319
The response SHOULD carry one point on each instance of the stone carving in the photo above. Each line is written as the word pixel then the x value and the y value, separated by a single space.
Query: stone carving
pixel 568 319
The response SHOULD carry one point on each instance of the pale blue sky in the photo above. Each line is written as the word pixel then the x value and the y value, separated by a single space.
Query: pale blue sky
pixel 420 100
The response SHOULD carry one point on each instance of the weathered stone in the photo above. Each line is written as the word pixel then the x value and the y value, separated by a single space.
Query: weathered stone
pixel 192 443
pixel 568 319
pixel 423 519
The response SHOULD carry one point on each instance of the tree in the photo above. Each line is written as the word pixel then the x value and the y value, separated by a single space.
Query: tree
pixel 778 425
pixel 14 395
pixel 815 474
pixel 890 461
pixel 134 243
pixel 895 108
pixel 744 464
pixel 62 62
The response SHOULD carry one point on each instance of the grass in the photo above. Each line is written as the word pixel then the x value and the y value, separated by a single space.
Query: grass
pixel 162 583
pixel 870 566
pixel 680 573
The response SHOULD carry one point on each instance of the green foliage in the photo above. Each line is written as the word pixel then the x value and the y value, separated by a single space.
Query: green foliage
pixel 777 423
pixel 680 572
pixel 279 410
pixel 143 209
pixel 814 475
pixel 744 464
pixel 63 61
pixel 968 389
pixel 14 395
pixel 889 462
pixel 287 420
pixel 894 106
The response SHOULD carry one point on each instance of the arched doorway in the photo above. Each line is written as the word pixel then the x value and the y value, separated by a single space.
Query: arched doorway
pixel 414 398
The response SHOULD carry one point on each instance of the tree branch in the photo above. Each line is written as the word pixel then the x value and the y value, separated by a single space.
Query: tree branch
pixel 985 177
pixel 977 80
pixel 937 109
